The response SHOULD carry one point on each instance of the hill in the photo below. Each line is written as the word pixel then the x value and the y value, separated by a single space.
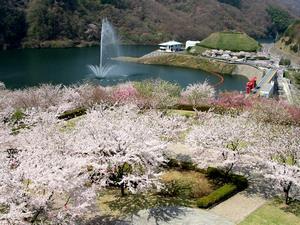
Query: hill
pixel 290 42
pixel 234 41
pixel 43 23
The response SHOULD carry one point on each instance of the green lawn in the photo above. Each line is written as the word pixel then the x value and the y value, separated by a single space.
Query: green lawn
pixel 234 41
pixel 197 50
pixel 185 113
pixel 270 214
pixel 182 188
pixel 190 61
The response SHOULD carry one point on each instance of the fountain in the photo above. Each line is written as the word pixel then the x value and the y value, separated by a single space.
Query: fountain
pixel 108 49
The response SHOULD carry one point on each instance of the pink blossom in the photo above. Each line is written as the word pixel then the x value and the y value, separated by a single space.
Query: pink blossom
pixel 124 93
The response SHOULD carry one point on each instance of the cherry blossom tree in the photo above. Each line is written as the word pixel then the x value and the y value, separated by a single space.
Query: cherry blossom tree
pixel 199 93
pixel 54 159
pixel 286 177
pixel 246 146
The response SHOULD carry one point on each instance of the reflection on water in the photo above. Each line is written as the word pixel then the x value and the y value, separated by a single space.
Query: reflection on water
pixel 29 67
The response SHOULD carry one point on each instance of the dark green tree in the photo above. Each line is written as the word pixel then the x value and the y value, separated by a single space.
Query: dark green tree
pixel 281 19
pixel 37 18
pixel 12 24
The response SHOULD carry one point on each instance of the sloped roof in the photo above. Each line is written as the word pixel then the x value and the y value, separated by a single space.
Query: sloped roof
pixel 171 43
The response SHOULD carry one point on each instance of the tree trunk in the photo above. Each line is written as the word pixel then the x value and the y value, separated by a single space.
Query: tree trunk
pixel 228 171
pixel 286 190
pixel 122 189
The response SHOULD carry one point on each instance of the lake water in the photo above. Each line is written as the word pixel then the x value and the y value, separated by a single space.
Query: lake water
pixel 30 67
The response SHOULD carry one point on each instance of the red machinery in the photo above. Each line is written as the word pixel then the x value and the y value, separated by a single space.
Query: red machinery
pixel 251 84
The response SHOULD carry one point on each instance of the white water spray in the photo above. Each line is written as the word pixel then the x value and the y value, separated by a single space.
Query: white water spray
pixel 108 49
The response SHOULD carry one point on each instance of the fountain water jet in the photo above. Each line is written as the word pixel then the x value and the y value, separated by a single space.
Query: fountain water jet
pixel 108 49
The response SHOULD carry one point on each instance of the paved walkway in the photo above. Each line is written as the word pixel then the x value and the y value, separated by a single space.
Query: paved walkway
pixel 237 208
pixel 178 216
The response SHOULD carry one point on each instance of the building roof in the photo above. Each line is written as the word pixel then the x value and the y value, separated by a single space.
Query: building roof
pixel 192 42
pixel 170 43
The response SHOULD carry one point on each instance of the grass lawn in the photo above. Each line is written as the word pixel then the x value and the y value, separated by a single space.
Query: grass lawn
pixel 183 189
pixel 271 214
pixel 185 113
pixel 190 61
pixel 197 50
pixel 234 41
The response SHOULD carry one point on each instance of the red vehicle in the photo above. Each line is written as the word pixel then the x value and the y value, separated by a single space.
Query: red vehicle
pixel 251 84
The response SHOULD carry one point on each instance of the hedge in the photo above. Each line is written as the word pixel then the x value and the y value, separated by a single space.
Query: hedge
pixel 240 181
pixel 236 183
pixel 218 195
pixel 70 114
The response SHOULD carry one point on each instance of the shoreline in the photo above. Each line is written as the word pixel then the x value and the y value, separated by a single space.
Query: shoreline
pixel 61 44
pixel 198 63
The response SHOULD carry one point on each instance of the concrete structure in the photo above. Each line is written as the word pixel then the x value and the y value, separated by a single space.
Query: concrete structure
pixel 190 44
pixel 170 46
pixel 267 90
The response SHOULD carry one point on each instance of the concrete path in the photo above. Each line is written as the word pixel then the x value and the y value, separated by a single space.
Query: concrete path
pixel 237 208
pixel 178 216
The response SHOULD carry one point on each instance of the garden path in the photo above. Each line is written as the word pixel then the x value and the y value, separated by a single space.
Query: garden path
pixel 178 216
pixel 237 208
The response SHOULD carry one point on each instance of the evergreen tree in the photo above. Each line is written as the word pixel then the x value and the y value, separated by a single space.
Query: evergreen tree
pixel 12 24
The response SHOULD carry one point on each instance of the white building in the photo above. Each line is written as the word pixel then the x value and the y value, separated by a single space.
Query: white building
pixel 190 44
pixel 170 46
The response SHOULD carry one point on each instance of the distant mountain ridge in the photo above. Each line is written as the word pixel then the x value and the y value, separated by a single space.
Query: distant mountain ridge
pixel 137 21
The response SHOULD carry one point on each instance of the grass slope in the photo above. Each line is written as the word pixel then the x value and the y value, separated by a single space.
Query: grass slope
pixel 234 41
pixel 189 61
pixel 271 215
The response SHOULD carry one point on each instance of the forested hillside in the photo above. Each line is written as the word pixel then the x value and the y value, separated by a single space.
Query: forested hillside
pixel 290 41
pixel 56 23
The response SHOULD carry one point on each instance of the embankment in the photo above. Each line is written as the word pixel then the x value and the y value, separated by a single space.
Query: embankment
pixel 185 61
pixel 196 62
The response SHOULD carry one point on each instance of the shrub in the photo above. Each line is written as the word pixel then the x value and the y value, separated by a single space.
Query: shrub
pixel 88 95
pixel 124 93
pixel 173 163
pixel 270 111
pixel 285 62
pixel 185 107
pixel 4 209
pixel 240 181
pixel 181 162
pixel 175 188
pixel 216 174
pixel 197 94
pixel 157 93
pixel 57 44
pixel 295 48
pixel 43 96
pixel 294 113
pixel 17 116
pixel 187 165
pixel 220 194
pixel 232 100
pixel 70 114
pixel 188 184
